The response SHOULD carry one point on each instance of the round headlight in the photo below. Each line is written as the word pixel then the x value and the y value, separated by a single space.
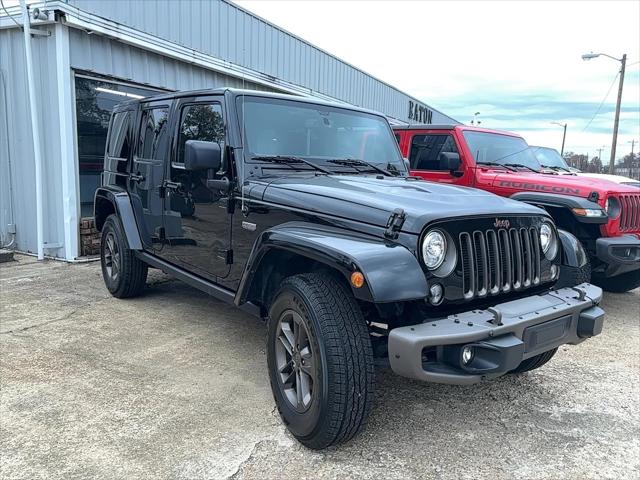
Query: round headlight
pixel 434 248
pixel 548 240
pixel 612 207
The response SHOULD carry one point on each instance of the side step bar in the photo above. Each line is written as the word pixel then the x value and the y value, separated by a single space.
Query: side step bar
pixel 197 282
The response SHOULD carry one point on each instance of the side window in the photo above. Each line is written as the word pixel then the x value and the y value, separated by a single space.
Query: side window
pixel 200 122
pixel 119 145
pixel 397 135
pixel 426 149
pixel 153 132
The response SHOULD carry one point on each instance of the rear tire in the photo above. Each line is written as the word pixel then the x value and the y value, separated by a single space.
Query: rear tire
pixel 320 360
pixel 124 274
pixel 534 362
pixel 620 283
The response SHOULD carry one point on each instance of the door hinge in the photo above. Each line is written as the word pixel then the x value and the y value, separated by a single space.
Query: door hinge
pixel 229 257
pixel 394 224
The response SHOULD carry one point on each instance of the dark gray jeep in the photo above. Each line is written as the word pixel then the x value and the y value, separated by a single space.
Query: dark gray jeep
pixel 302 213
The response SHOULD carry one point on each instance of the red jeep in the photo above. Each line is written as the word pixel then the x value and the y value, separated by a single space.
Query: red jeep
pixel 603 215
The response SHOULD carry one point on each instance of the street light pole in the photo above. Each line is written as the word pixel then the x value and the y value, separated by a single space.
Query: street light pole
pixel 564 135
pixel 616 122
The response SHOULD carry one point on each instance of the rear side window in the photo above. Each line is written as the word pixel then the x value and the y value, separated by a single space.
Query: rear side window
pixel 425 150
pixel 119 144
pixel 153 132
pixel 200 122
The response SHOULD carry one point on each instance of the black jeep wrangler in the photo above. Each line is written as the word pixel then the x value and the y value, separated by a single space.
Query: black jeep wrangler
pixel 303 213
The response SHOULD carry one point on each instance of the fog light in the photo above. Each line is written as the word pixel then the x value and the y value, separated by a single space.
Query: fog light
pixel 435 294
pixel 467 355
pixel 554 271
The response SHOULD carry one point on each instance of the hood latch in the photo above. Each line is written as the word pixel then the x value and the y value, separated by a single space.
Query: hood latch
pixel 394 224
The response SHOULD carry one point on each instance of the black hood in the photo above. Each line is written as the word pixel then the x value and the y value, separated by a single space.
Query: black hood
pixel 372 199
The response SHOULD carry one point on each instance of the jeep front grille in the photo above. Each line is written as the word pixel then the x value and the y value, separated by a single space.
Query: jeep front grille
pixel 499 261
pixel 630 213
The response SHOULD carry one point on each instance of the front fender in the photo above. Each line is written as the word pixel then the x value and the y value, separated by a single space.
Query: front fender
pixel 392 273
pixel 568 202
pixel 120 202
pixel 573 253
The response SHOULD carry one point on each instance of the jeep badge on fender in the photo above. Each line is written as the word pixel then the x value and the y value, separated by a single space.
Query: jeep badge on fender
pixel 302 212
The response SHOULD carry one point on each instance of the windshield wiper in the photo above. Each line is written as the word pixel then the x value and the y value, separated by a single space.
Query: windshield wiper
pixel 554 167
pixel 352 162
pixel 496 164
pixel 521 165
pixel 290 160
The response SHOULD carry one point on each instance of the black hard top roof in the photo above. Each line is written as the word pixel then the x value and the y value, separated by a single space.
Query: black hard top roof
pixel 254 93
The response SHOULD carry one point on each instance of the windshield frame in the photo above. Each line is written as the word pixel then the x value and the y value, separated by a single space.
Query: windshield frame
pixel 510 158
pixel 242 100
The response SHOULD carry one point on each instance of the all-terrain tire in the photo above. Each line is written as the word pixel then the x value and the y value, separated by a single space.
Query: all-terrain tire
pixel 534 362
pixel 620 283
pixel 343 389
pixel 123 272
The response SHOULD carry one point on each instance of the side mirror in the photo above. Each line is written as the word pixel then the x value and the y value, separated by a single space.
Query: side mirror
pixel 449 161
pixel 199 155
pixel 406 163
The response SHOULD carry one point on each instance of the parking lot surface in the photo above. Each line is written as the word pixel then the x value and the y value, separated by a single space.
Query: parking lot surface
pixel 173 384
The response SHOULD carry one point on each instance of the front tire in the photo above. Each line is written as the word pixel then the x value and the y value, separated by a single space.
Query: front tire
pixel 534 362
pixel 124 274
pixel 320 360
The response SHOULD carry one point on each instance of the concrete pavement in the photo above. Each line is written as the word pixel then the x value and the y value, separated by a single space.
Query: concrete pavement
pixel 174 385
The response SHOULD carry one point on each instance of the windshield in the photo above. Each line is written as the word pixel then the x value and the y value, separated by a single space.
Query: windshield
pixel 549 157
pixel 317 133
pixel 502 149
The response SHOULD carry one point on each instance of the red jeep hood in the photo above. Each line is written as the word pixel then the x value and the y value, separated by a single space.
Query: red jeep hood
pixel 561 184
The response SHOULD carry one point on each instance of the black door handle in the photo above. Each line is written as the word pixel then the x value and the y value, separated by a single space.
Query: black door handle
pixel 171 185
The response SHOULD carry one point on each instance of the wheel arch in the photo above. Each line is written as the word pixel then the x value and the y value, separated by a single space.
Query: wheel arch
pixel 296 248
pixel 109 201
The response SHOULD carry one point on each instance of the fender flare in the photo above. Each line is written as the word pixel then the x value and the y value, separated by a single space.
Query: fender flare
pixel 121 203
pixel 573 253
pixel 568 202
pixel 392 273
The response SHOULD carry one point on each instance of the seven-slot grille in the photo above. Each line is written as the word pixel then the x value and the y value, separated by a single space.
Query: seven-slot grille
pixel 501 260
pixel 630 213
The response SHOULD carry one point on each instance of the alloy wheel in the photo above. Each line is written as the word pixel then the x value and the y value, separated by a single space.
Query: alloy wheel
pixel 296 360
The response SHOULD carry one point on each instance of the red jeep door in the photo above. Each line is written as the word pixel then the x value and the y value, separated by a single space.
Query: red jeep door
pixel 424 148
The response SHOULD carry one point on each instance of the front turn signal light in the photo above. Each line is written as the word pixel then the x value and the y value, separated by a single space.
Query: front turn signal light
pixel 357 279
pixel 589 212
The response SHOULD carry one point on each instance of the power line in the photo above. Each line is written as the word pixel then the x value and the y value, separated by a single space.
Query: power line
pixel 602 102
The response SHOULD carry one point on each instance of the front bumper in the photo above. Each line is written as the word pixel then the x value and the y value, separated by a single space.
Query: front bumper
pixel 500 337
pixel 620 254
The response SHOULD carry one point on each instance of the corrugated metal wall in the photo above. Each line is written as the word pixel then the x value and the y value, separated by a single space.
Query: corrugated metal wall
pixel 95 53
pixel 226 31
pixel 16 144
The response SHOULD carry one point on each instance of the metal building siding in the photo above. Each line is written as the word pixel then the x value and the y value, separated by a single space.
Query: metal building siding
pixel 16 141
pixel 101 55
pixel 223 30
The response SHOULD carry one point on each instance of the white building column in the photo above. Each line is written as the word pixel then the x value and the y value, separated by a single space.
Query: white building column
pixel 68 166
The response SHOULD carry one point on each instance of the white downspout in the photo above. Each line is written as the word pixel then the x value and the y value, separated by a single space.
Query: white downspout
pixel 35 130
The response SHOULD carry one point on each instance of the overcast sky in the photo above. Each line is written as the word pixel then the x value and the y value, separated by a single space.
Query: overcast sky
pixel 517 63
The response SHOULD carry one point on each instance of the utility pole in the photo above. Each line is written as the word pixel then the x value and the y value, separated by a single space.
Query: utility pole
pixel 623 63
pixel 612 162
